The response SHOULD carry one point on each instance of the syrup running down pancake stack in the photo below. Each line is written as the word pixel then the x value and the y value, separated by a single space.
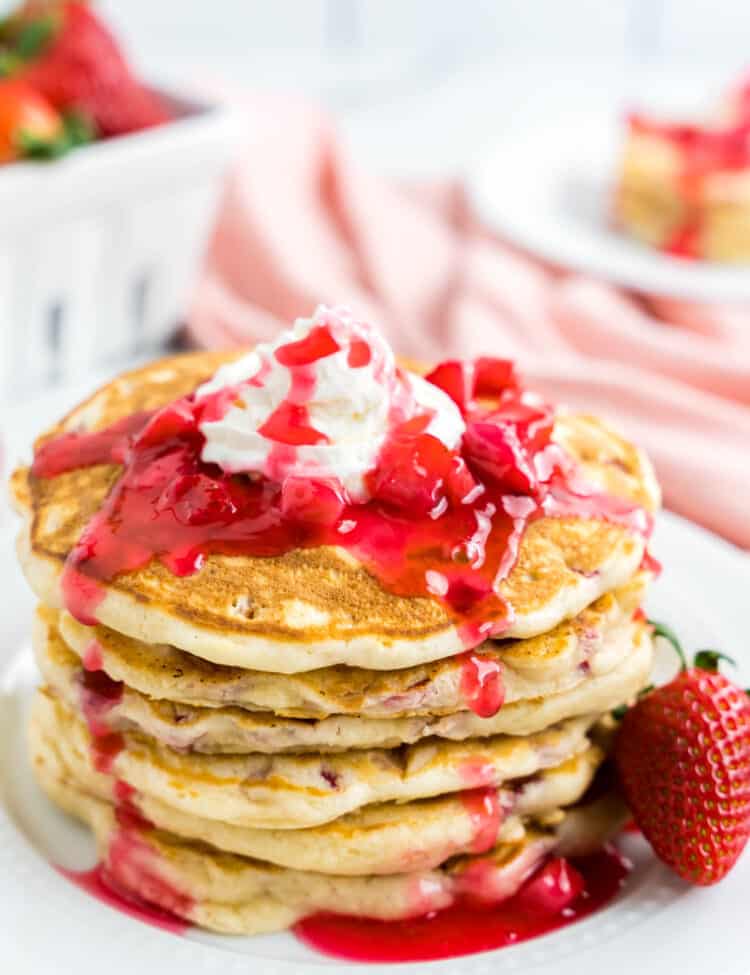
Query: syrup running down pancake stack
pixel 319 635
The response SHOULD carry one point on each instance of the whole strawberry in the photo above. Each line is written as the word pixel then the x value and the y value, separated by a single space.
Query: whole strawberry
pixel 683 758
pixel 77 64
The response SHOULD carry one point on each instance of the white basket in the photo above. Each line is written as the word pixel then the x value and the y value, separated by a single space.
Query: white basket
pixel 98 250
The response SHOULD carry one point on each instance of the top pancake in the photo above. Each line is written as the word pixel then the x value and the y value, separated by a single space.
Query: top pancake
pixel 312 608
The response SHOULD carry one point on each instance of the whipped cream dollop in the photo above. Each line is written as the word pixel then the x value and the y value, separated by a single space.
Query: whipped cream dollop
pixel 318 402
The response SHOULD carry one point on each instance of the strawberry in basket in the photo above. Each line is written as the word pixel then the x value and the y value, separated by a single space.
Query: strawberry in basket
pixel 30 127
pixel 64 51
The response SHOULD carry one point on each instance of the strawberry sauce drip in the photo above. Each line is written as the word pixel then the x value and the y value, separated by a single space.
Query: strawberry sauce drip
pixel 559 894
pixel 486 813
pixel 651 564
pixel 82 595
pixel 98 695
pixel 99 884
pixel 482 684
pixel 289 425
pixel 127 812
pixel 104 751
pixel 441 524
pixel 476 772
pixel 92 657
pixel 127 879
pixel 71 450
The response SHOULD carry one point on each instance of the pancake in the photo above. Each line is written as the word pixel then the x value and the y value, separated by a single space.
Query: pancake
pixel 235 730
pixel 238 895
pixel 318 607
pixel 592 643
pixel 295 791
pixel 380 839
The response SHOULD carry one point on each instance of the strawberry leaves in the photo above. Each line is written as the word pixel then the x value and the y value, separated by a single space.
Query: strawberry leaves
pixel 76 131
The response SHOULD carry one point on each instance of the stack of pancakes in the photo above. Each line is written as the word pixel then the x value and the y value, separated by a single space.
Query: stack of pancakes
pixel 272 737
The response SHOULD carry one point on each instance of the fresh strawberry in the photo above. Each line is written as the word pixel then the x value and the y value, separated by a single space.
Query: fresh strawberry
pixel 79 67
pixel 28 123
pixel 683 758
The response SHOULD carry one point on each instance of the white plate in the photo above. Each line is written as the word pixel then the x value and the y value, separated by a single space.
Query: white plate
pixel 548 189
pixel 657 925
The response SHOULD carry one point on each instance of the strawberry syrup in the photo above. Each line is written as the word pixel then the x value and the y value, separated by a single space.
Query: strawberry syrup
pixel 558 894
pixel 486 813
pixel 98 694
pixel 129 867
pixel 482 684
pixel 440 524
pixel 99 884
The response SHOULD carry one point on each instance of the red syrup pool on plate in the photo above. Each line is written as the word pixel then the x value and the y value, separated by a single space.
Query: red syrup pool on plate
pixel 99 884
pixel 554 897
pixel 441 524
pixel 127 879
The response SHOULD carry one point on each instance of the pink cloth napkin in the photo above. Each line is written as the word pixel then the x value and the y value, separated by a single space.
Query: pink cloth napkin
pixel 302 223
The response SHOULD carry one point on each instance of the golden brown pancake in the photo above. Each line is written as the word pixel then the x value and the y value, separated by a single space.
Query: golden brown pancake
pixel 590 644
pixel 239 895
pixel 313 608
pixel 234 730
pixel 295 791
pixel 378 839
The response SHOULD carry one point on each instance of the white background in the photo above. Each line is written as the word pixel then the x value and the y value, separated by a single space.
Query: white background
pixel 421 85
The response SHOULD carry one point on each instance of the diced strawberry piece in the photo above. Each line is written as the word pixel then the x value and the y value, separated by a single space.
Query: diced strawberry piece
pixel 456 378
pixel 215 406
pixel 495 451
pixel 416 471
pixel 460 483
pixel 503 444
pixel 195 499
pixel 174 420
pixel 493 377
pixel 290 424
pixel 410 473
pixel 317 344
pixel 415 426
pixel 552 889
pixel 360 354
pixel 311 501
pixel 465 380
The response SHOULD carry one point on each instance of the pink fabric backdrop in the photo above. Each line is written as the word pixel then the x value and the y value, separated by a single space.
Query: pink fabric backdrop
pixel 301 222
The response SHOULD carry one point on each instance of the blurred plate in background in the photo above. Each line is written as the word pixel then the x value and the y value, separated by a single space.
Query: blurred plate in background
pixel 548 189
